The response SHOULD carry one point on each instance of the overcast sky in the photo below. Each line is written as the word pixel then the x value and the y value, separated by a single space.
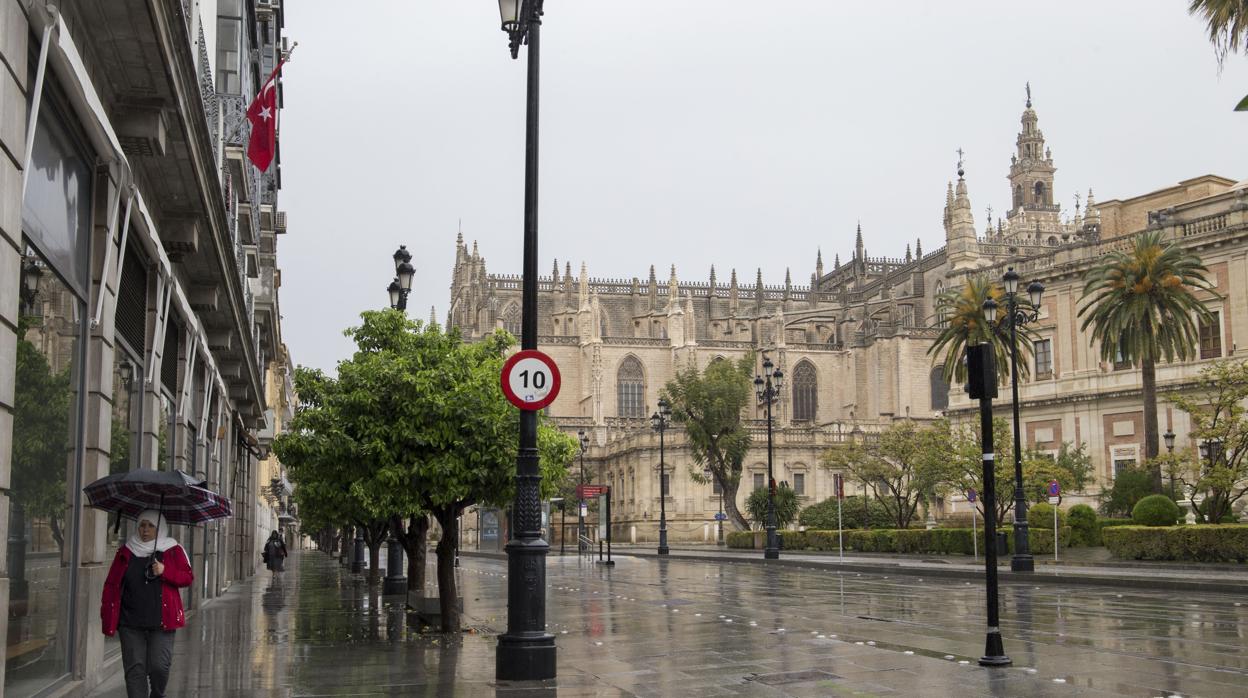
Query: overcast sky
pixel 698 132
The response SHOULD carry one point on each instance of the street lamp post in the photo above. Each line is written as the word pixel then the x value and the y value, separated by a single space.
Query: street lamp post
pixel 1022 560
pixel 526 652
pixel 768 388
pixel 583 438
pixel 401 287
pixel 659 420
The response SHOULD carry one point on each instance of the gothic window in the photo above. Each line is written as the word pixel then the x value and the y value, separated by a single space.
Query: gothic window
pixel 940 389
pixel 630 389
pixel 805 389
pixel 1018 196
pixel 511 319
pixel 907 315
pixel 602 325
pixel 1040 195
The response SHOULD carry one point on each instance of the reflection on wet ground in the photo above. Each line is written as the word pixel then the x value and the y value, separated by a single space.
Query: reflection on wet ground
pixel 651 627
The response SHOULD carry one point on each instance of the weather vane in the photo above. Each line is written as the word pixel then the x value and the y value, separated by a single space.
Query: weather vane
pixel 961 153
pixel 1029 93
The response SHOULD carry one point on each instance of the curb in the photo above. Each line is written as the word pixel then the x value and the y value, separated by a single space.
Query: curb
pixel 1005 576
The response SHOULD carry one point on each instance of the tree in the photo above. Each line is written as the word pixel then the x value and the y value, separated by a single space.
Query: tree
pixel 41 405
pixel 855 512
pixel 965 468
pixel 960 311
pixel 1216 409
pixel 903 468
pixel 1071 467
pixel 1227 22
pixel 1142 307
pixel 786 506
pixel 709 404
pixel 1130 486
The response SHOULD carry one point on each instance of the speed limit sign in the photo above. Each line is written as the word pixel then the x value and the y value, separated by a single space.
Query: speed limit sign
pixel 530 379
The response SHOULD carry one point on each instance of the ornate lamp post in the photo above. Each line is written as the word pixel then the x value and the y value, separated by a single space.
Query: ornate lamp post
pixel 1168 437
pixel 659 420
pixel 1022 560
pixel 583 438
pixel 526 652
pixel 768 388
pixel 402 284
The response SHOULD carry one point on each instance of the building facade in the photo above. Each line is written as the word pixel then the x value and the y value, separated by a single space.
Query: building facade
pixel 853 343
pixel 139 324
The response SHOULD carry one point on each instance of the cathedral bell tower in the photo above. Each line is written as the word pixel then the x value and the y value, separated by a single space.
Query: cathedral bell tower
pixel 1031 168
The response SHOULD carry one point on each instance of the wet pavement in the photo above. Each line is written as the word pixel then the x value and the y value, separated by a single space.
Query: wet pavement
pixel 689 628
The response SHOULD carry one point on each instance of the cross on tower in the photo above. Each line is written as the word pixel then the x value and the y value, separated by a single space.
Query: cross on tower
pixel 1077 198
pixel 989 215
pixel 961 153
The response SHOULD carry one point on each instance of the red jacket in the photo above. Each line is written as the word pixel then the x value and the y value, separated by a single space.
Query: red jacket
pixel 177 575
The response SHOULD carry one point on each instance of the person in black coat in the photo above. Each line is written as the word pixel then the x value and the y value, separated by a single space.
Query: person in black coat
pixel 275 552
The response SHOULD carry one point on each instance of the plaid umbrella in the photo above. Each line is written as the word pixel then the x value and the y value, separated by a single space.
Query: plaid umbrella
pixel 180 498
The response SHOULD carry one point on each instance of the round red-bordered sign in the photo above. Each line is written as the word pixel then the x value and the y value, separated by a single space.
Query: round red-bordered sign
pixel 530 380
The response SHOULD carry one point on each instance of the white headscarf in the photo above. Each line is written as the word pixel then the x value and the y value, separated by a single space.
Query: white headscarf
pixel 163 542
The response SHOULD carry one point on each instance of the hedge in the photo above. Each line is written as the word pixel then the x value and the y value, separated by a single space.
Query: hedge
pixel 740 539
pixel 1199 543
pixel 937 541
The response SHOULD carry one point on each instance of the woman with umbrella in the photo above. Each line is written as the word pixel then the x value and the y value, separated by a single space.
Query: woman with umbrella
pixel 275 552
pixel 141 601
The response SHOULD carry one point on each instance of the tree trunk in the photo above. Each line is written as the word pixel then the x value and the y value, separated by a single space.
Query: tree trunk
pixel 413 539
pixel 374 535
pixel 447 594
pixel 730 505
pixel 1148 371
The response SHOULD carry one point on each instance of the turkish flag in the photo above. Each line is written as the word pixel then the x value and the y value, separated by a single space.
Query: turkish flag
pixel 263 117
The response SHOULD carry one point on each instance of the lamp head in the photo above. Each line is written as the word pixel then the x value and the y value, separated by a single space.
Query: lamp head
pixel 125 371
pixel 406 272
pixel 1035 290
pixel 656 422
pixel 665 408
pixel 990 311
pixel 583 438
pixel 509 13
pixel 777 377
pixel 395 292
pixel 1169 438
pixel 401 256
pixel 1011 281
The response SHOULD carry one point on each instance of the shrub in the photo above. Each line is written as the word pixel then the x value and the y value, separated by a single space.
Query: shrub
pixel 960 519
pixel 1130 486
pixel 822 516
pixel 1205 543
pixel 792 540
pixel 1041 515
pixel 786 506
pixel 1083 528
pixel 1155 510
pixel 740 539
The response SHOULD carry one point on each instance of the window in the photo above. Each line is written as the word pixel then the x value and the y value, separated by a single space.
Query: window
pixel 1018 196
pixel 1044 359
pixel 630 389
pixel 805 392
pixel 665 487
pixel 1120 361
pixel 799 484
pixel 759 482
pixel 1211 338
pixel 229 47
pixel 602 325
pixel 716 488
pixel 939 388
pixel 1040 197
pixel 907 315
pixel 1121 464
pixel 511 320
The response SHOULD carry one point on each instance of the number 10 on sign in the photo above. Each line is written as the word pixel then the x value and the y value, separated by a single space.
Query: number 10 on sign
pixel 530 379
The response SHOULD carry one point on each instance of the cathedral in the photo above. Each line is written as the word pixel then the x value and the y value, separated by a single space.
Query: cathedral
pixel 853 343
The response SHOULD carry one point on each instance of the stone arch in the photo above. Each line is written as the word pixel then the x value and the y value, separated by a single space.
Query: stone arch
pixel 1018 196
pixel 630 388
pixel 805 392
pixel 1041 193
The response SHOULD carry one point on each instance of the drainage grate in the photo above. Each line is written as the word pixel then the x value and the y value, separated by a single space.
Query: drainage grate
pixel 792 677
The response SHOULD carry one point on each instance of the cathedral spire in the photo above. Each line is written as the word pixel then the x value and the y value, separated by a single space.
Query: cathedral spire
pixel 837 261
pixel 819 262
pixel 918 248
pixel 909 257
pixel 583 286
pixel 1031 167
pixel 860 252
pixel 554 271
pixel 712 276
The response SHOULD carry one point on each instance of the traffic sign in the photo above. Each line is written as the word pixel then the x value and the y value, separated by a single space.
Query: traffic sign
pixel 1055 489
pixel 971 495
pixel 589 491
pixel 530 380
pixel 721 516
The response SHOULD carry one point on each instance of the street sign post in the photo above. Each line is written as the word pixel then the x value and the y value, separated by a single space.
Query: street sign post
pixel 971 496
pixel 838 484
pixel 721 516
pixel 1055 498
pixel 530 380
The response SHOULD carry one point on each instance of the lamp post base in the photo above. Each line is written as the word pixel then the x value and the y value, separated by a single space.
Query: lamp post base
pixel 396 579
pixel 1023 563
pixel 994 651
pixel 525 657
pixel 772 551
pixel 663 549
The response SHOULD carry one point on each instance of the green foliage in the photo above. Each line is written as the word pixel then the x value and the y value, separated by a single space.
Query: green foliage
pixel 1084 530
pixel 786 506
pixel 1210 543
pixel 1155 510
pixel 903 467
pixel 1142 306
pixel 1072 468
pixel 960 313
pixel 740 539
pixel 708 404
pixel 41 447
pixel 1217 412
pixel 965 468
pixel 856 512
pixel 1226 22
pixel 1041 515
pixel 792 540
pixel 1130 486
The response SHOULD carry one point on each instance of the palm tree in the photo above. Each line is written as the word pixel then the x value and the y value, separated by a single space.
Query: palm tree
pixel 1142 307
pixel 1227 21
pixel 960 313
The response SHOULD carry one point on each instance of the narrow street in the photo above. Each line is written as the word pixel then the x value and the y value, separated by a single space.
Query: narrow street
pixel 692 628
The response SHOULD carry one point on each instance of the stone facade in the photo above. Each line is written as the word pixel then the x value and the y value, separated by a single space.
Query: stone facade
pixel 860 333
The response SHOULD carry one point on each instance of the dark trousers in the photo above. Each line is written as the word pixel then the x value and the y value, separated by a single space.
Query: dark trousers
pixel 146 656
